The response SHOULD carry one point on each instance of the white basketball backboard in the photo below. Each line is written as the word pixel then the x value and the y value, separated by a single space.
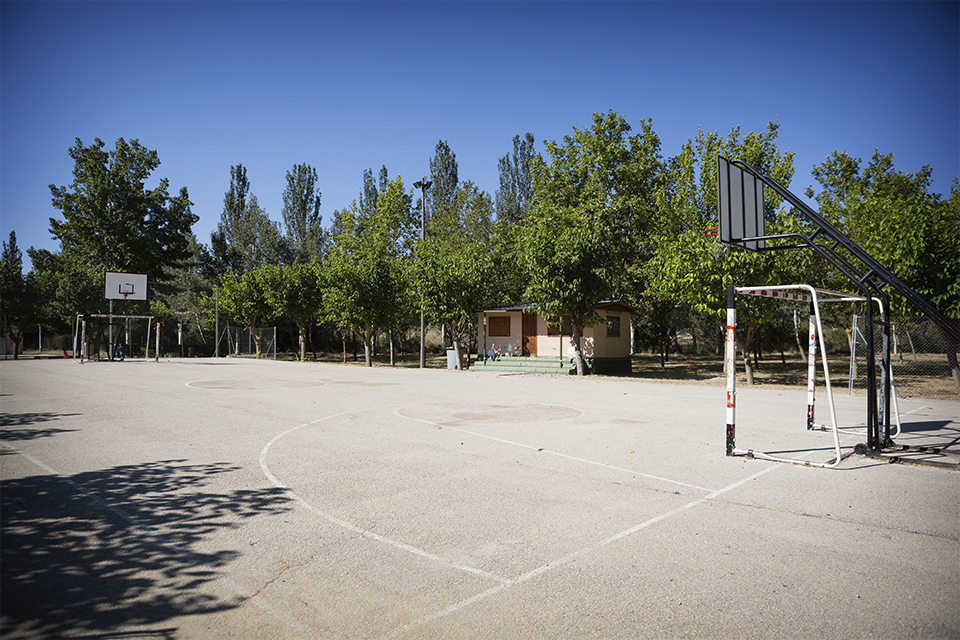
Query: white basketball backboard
pixel 740 196
pixel 125 286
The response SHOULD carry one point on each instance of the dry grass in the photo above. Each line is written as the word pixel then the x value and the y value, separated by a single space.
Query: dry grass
pixel 914 376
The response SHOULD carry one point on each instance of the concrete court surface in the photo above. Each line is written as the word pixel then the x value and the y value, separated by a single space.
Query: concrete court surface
pixel 256 499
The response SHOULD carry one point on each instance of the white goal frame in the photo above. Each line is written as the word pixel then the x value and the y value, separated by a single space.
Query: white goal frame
pixel 814 296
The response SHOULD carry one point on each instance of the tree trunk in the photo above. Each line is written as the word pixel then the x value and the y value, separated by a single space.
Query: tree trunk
pixel 952 348
pixel 797 334
pixel 15 338
pixel 368 345
pixel 747 364
pixel 456 346
pixel 390 339
pixel 313 347
pixel 577 354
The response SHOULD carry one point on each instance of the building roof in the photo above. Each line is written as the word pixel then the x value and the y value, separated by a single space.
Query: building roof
pixel 606 305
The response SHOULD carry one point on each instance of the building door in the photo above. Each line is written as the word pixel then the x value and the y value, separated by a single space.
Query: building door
pixel 529 330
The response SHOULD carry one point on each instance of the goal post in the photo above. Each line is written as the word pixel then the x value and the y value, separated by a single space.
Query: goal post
pixel 814 297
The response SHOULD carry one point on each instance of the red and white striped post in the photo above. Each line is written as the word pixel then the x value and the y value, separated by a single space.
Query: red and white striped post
pixel 811 366
pixel 731 369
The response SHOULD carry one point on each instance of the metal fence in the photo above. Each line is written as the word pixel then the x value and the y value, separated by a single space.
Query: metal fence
pixel 923 359
pixel 259 342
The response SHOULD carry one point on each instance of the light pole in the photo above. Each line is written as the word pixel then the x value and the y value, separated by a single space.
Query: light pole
pixel 423 184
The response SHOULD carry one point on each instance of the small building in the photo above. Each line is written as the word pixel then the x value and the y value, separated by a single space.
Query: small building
pixel 518 331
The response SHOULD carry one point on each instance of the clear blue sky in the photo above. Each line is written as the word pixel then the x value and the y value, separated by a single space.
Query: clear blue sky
pixel 349 86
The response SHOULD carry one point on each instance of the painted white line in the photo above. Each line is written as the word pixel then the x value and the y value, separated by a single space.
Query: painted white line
pixel 921 408
pixel 553 453
pixel 366 533
pixel 571 556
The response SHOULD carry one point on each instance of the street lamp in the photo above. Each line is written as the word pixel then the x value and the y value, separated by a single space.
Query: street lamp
pixel 423 184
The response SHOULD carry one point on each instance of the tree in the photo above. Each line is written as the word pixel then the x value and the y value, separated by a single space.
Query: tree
pixel 454 271
pixel 516 180
pixel 365 279
pixel 18 296
pixel 245 237
pixel 182 294
pixel 443 174
pixel 896 218
pixel 690 268
pixel 111 220
pixel 245 300
pixel 590 210
pixel 295 292
pixel 301 214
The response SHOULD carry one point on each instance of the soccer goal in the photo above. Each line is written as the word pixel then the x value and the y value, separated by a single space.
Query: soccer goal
pixel 99 336
pixel 801 293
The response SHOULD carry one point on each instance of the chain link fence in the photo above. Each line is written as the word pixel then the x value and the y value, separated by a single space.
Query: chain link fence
pixel 922 357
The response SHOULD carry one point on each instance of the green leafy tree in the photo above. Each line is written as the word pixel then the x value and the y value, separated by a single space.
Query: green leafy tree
pixel 19 304
pixel 898 220
pixel 65 288
pixel 366 284
pixel 589 215
pixel 246 300
pixel 183 292
pixel 691 268
pixel 111 220
pixel 295 292
pixel 455 267
pixel 301 214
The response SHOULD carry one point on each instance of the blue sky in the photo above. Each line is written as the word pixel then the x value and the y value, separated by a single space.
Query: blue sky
pixel 349 86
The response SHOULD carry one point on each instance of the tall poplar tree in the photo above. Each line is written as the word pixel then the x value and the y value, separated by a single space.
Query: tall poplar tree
pixel 516 180
pixel 245 237
pixel 301 214
pixel 443 174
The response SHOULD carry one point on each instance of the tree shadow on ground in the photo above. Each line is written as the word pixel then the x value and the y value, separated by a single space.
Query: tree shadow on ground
pixel 96 553
pixel 23 426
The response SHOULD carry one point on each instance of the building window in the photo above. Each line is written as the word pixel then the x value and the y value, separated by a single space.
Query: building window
pixel 553 328
pixel 613 326
pixel 499 326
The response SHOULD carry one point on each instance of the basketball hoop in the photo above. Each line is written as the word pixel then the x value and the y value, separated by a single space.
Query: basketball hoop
pixel 712 232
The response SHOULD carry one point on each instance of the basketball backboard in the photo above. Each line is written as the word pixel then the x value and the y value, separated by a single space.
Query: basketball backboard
pixel 125 286
pixel 740 196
